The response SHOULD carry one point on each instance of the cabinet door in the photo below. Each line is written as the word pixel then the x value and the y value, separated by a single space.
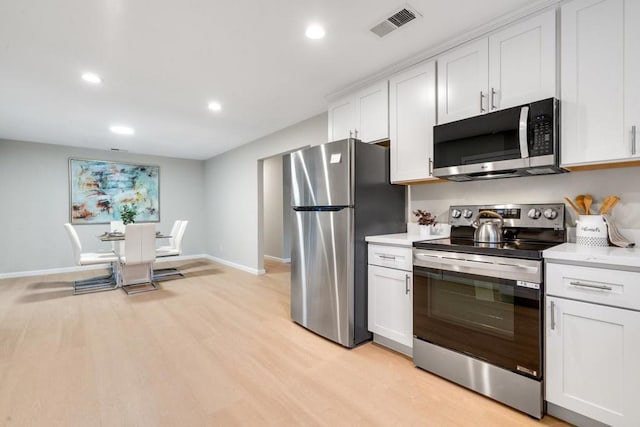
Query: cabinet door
pixel 591 356
pixel 372 113
pixel 463 76
pixel 412 115
pixel 341 119
pixel 592 82
pixel 522 62
pixel 632 76
pixel 390 304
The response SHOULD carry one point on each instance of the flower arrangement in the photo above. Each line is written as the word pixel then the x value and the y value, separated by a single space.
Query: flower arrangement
pixel 128 214
pixel 425 218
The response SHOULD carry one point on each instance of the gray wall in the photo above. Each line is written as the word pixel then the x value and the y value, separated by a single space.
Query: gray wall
pixel 276 186
pixel 623 182
pixel 234 191
pixel 34 203
pixel 273 214
pixel 287 213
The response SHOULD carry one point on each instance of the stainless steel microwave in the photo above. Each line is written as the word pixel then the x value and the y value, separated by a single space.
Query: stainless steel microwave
pixel 518 141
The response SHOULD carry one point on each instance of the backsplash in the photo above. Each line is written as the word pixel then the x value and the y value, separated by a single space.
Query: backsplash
pixel 624 182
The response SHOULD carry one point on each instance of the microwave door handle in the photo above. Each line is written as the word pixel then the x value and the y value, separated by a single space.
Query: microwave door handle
pixel 524 124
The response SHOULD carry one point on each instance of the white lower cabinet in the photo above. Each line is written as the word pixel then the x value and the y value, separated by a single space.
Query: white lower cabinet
pixel 592 350
pixel 390 293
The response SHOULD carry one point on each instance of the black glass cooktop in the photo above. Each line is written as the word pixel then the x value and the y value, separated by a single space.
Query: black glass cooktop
pixel 518 243
pixel 513 249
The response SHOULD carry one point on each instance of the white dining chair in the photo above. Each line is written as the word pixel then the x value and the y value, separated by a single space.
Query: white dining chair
pixel 174 249
pixel 135 274
pixel 162 250
pixel 117 226
pixel 95 284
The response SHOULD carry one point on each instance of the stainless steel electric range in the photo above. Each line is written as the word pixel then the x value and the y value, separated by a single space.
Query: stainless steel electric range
pixel 478 306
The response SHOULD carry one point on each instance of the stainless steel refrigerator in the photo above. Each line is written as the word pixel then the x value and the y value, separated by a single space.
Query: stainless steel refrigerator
pixel 340 193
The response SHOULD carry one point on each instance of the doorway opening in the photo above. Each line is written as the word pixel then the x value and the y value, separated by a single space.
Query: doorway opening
pixel 274 216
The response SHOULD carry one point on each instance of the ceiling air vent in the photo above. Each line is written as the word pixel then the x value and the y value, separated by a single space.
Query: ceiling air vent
pixel 395 21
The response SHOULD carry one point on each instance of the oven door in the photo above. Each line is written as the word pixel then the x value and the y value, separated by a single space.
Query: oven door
pixel 494 319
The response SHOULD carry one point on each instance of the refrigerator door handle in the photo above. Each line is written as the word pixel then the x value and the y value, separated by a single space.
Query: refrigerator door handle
pixel 319 208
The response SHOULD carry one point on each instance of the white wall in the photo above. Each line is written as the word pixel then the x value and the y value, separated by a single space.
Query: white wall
pixel 623 182
pixel 233 193
pixel 273 214
pixel 34 203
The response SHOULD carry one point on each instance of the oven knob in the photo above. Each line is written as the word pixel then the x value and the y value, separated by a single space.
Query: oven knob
pixel 533 214
pixel 550 213
pixel 455 213
pixel 467 213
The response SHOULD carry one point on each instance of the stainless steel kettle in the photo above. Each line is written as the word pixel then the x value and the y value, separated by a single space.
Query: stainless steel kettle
pixel 489 231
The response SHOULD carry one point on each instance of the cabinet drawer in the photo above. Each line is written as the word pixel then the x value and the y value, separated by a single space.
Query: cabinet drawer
pixel 391 256
pixel 599 285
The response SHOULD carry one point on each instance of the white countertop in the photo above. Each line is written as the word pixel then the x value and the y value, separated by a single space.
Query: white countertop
pixel 406 239
pixel 627 257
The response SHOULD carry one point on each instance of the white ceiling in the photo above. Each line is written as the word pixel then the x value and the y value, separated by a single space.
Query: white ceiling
pixel 162 61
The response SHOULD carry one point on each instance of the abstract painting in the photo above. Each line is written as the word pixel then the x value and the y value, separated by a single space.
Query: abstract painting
pixel 99 188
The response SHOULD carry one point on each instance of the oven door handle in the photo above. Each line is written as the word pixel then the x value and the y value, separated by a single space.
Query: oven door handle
pixel 483 265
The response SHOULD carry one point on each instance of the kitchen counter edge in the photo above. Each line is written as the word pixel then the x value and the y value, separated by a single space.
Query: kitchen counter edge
pixel 402 239
pixel 611 255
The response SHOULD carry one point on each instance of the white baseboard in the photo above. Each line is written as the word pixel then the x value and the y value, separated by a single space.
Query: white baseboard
pixel 78 268
pixel 235 265
pixel 282 260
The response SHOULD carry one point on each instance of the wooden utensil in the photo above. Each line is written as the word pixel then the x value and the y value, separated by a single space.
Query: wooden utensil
pixel 588 200
pixel 608 204
pixel 580 202
pixel 573 206
pixel 605 204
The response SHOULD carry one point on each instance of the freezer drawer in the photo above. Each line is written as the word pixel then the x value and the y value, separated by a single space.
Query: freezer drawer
pixel 322 279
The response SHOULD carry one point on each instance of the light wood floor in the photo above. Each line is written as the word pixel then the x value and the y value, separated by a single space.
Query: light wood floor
pixel 214 348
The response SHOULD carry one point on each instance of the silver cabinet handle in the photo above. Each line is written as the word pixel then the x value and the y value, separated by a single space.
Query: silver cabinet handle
pixel 356 133
pixel 350 134
pixel 633 140
pixel 482 110
pixel 493 99
pixel 406 284
pixel 386 256
pixel 589 286
pixel 553 315
pixel 430 167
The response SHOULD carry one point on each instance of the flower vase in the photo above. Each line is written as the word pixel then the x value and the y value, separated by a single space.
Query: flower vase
pixel 425 230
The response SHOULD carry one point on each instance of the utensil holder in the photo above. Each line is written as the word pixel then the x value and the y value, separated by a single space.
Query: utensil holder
pixel 591 230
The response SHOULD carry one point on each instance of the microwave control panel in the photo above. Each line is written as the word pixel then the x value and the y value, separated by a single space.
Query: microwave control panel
pixel 542 142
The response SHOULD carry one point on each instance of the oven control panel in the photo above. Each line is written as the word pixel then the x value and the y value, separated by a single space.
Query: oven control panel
pixel 543 215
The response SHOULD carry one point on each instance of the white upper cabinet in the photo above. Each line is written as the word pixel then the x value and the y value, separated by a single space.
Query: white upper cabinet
pixel 372 113
pixel 600 94
pixel 364 115
pixel 412 115
pixel 632 77
pixel 341 119
pixel 522 62
pixel 463 74
pixel 511 67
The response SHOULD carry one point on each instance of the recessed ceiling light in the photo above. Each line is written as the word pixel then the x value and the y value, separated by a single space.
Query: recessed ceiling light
pixel 315 32
pixel 91 78
pixel 122 130
pixel 215 106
